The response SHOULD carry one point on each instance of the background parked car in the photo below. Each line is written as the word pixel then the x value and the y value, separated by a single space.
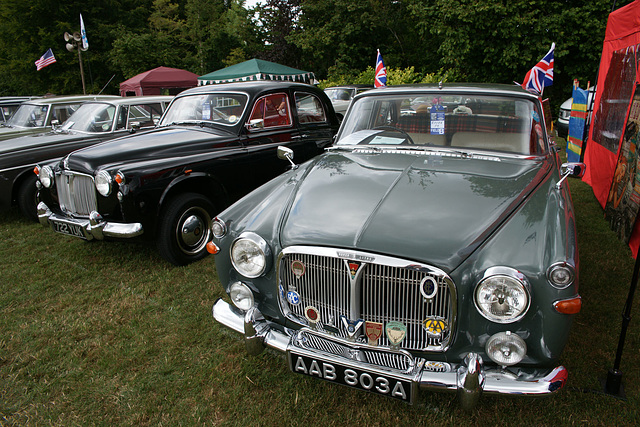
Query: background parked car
pixel 428 248
pixel 9 105
pixel 341 96
pixel 92 122
pixel 214 144
pixel 562 124
pixel 36 115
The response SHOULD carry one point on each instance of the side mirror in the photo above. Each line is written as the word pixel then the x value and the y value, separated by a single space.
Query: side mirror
pixel 286 153
pixel 255 124
pixel 575 170
pixel 55 123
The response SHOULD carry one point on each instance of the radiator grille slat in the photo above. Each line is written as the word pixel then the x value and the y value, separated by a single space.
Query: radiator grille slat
pixel 377 293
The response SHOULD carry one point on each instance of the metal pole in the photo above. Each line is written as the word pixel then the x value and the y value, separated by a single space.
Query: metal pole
pixel 84 90
pixel 614 376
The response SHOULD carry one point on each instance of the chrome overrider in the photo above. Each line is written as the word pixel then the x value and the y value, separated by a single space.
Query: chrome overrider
pixel 469 379
pixel 92 228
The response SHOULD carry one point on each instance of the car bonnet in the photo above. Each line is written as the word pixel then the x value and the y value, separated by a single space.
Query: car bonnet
pixel 429 208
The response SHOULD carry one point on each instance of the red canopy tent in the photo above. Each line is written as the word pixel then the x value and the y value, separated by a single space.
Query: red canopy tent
pixel 153 82
pixel 611 154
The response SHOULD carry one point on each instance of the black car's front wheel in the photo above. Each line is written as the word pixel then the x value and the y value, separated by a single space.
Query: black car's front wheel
pixel 185 229
pixel 27 198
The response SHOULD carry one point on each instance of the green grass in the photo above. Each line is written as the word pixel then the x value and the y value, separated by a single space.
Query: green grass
pixel 107 333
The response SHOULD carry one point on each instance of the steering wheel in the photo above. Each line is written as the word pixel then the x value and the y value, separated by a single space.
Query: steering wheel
pixel 395 129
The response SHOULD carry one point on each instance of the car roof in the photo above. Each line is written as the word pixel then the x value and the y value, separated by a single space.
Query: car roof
pixel 476 88
pixel 52 100
pixel 356 86
pixel 250 87
pixel 127 100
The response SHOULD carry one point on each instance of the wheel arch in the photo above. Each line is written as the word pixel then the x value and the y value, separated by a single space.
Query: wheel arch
pixel 200 183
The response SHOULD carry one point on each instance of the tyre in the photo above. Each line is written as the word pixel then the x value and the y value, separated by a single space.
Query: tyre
pixel 185 228
pixel 27 198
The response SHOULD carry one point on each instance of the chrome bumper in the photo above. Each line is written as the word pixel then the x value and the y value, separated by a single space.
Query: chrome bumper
pixel 469 379
pixel 93 228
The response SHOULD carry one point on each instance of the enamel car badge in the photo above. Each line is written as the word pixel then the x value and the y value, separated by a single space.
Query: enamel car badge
pixel 353 268
pixel 351 326
pixel 396 332
pixel 373 331
pixel 293 298
pixel 428 287
pixel 312 315
pixel 435 326
pixel 298 268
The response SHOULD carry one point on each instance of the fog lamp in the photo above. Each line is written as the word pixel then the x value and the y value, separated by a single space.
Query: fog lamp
pixel 241 296
pixel 506 348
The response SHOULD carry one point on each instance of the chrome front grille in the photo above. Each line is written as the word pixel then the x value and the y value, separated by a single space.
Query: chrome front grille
pixel 369 287
pixel 76 193
pixel 401 361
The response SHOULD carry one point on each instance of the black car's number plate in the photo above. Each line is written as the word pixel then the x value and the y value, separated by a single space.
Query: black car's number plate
pixel 386 385
pixel 68 229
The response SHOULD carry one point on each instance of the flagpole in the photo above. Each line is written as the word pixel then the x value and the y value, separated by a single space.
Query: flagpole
pixel 84 89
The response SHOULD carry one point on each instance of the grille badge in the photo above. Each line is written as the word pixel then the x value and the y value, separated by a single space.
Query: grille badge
pixel 435 326
pixel 396 332
pixel 373 330
pixel 351 326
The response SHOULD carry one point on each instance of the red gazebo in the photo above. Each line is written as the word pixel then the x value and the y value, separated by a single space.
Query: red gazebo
pixel 153 82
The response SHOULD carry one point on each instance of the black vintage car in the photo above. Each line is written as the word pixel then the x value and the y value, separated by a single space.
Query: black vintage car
pixel 213 145
pixel 92 122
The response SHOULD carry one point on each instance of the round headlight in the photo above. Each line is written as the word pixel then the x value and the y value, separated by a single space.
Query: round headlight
pixel 561 275
pixel 46 176
pixel 506 348
pixel 249 255
pixel 103 183
pixel 218 228
pixel 241 296
pixel 503 295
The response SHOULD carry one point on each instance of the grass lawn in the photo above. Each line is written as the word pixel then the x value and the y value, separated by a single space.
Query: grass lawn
pixel 107 333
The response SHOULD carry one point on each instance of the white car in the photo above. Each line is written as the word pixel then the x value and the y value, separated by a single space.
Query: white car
pixel 341 96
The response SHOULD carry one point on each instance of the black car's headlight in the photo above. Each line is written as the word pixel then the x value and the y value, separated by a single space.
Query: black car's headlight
pixel 250 255
pixel 103 183
pixel 502 296
pixel 45 175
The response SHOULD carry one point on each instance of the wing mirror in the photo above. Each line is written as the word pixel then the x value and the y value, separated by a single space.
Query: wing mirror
pixel 255 124
pixel 575 170
pixel 286 153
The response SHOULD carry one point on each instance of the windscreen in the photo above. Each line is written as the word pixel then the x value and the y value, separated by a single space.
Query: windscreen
pixel 219 108
pixel 463 121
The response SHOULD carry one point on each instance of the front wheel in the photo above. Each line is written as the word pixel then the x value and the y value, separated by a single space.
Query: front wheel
pixel 27 198
pixel 185 229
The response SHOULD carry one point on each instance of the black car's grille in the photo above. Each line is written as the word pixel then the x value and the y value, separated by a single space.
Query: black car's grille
pixel 76 193
pixel 382 290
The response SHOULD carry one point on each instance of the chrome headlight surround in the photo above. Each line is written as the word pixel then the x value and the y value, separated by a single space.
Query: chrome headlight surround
pixel 250 255
pixel 561 275
pixel 46 176
pixel 103 182
pixel 503 295
pixel 218 228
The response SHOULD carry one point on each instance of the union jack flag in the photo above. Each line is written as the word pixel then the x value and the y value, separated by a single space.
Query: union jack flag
pixel 46 59
pixel 541 74
pixel 380 79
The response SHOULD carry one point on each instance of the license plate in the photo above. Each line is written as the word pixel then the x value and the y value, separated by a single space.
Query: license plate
pixel 68 229
pixel 384 384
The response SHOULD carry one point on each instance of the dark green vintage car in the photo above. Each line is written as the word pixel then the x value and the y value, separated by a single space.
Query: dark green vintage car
pixel 432 247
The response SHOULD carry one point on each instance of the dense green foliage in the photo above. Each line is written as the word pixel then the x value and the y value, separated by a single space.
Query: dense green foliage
pixel 471 40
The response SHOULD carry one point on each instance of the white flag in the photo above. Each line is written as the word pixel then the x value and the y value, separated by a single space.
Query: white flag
pixel 83 33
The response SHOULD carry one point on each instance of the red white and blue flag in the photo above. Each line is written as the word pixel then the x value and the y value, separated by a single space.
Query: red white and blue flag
pixel 46 59
pixel 380 78
pixel 541 74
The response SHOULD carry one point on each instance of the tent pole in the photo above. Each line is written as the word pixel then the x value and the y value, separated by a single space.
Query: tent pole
pixel 613 384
